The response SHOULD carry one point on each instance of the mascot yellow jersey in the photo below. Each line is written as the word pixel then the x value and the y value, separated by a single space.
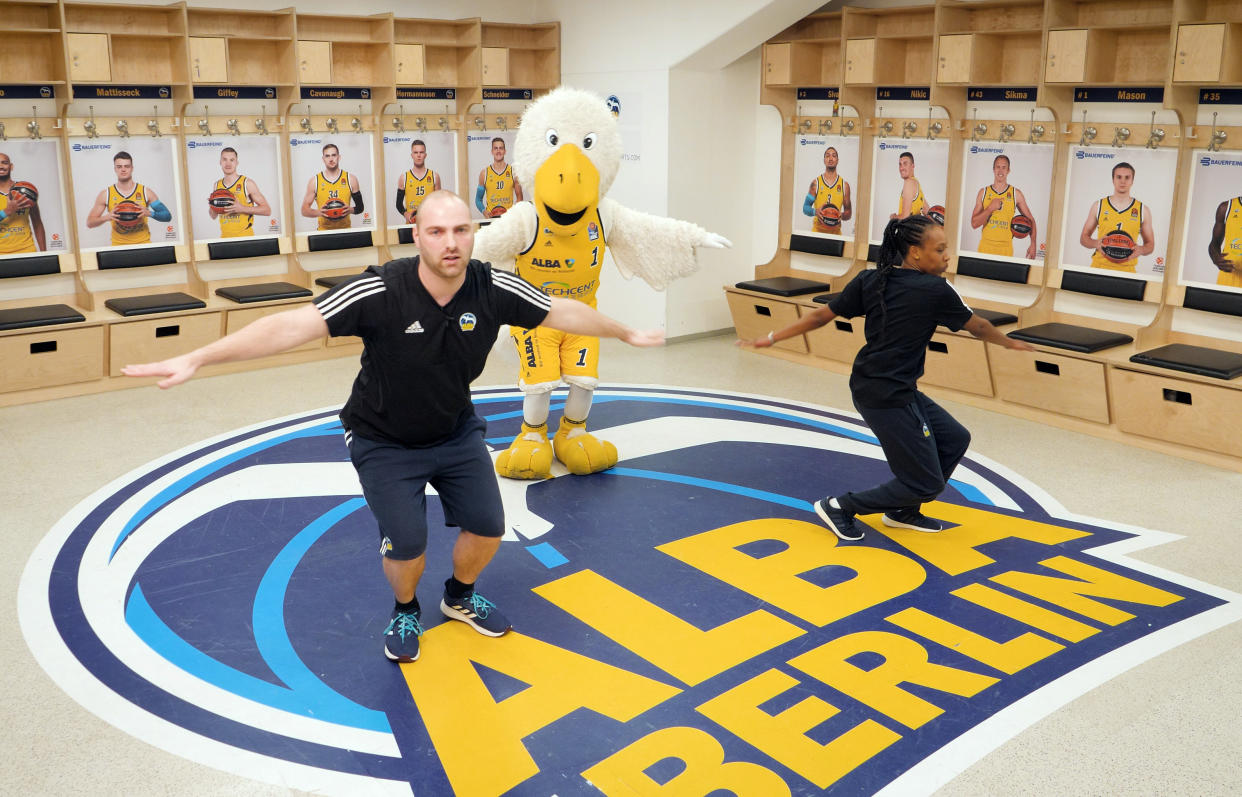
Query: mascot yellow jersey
pixel 498 188
pixel 15 230
pixel 567 268
pixel 1128 220
pixel 996 238
pixel 141 235
pixel 236 225
pixel 416 189
pixel 1231 247
pixel 328 190
pixel 916 207
pixel 824 194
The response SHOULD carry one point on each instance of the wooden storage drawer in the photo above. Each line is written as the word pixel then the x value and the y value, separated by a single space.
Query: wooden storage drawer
pixel 755 316
pixel 43 359
pixel 1189 413
pixel 236 319
pixel 958 363
pixel 839 339
pixel 158 339
pixel 1051 382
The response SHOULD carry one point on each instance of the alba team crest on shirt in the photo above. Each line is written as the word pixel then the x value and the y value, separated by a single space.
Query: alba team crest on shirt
pixel 680 620
pixel 467 322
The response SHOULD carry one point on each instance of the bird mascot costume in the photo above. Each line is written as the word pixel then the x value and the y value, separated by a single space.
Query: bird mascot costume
pixel 568 148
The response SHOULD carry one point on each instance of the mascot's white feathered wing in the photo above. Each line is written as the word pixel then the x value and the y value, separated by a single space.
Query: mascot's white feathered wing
pixel 566 155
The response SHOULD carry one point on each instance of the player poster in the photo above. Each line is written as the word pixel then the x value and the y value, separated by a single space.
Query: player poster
pixel 1002 182
pixel 333 180
pixel 489 164
pixel 32 198
pixel 1117 210
pixel 825 186
pixel 415 164
pixel 910 175
pixel 126 191
pixel 234 186
pixel 1212 257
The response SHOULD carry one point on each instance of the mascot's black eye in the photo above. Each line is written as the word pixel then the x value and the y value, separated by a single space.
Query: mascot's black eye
pixel 552 138
pixel 589 141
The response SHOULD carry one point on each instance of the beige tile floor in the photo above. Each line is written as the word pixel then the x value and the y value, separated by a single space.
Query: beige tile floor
pixel 1170 726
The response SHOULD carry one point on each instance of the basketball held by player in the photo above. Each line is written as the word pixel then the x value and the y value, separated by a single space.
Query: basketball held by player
pixel 997 206
pixel 828 200
pixel 21 226
pixel 1116 224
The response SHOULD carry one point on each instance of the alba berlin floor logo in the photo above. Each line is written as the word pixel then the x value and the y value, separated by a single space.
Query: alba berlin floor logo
pixel 682 617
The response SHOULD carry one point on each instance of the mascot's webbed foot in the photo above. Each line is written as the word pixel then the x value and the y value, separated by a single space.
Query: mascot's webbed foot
pixel 529 456
pixel 580 451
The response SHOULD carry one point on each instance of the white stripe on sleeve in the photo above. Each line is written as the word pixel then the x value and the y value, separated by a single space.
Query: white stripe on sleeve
pixel 520 287
pixel 351 293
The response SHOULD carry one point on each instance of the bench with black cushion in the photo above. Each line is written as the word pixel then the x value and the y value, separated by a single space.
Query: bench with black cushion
pixel 332 282
pixel 44 315
pixel 262 292
pixel 995 317
pixel 154 303
pixel 826 297
pixel 784 286
pixel 1072 337
pixel 1193 359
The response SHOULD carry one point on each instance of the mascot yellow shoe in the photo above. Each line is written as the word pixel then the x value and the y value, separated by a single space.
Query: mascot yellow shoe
pixel 529 456
pixel 580 451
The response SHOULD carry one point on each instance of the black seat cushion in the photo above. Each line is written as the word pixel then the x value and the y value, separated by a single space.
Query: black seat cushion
pixel 332 282
pixel 1193 359
pixel 45 315
pixel 784 286
pixel 996 317
pixel 1069 336
pixel 154 303
pixel 262 292
pixel 826 298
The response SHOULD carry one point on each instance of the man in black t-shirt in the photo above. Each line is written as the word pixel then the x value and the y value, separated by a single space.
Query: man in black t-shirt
pixel 427 325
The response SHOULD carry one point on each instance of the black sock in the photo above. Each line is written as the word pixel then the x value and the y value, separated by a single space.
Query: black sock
pixel 456 589
pixel 412 606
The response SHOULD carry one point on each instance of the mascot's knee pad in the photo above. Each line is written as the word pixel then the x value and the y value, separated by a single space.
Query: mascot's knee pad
pixel 580 451
pixel 538 387
pixel 529 456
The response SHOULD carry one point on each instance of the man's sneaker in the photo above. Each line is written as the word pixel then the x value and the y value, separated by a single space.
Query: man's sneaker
pixel 911 519
pixel 401 637
pixel 480 613
pixel 837 519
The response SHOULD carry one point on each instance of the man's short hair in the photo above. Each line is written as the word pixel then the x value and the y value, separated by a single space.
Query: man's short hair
pixel 326 147
pixel 832 149
pixel 229 149
pixel 501 140
pixel 418 142
pixel 998 157
pixel 1124 165
pixel 122 155
pixel 909 155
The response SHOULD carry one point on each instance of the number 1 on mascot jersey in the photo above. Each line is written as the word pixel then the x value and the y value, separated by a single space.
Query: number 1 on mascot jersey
pixel 566 155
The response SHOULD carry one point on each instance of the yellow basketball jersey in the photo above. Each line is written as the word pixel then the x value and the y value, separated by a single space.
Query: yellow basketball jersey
pixel 416 189
pixel 16 232
pixel 996 237
pixel 1128 220
pixel 236 225
pixel 916 207
pixel 1231 247
pixel 498 188
pixel 327 190
pixel 824 194
pixel 566 267
pixel 141 235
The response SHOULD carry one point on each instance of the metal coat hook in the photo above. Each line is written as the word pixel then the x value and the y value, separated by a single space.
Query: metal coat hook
pixel 825 126
pixel 305 122
pixel 933 130
pixel 1218 136
pixel 909 128
pixel 1120 136
pixel 89 125
pixel 398 124
pixel 847 127
pixel 331 124
pixel 260 124
pixel 1037 132
pixel 804 126
pixel 122 127
pixel 203 125
pixel 502 123
pixel 421 124
pixel 1006 130
pixel 885 128
pixel 153 125
pixel 980 129
pixel 32 126
pixel 480 122
pixel 1088 133
pixel 443 123
pixel 1154 134
pixel 231 124
pixel 356 124
pixel 3 137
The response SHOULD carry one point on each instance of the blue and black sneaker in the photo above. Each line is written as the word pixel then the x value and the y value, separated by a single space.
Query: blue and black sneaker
pixel 401 637
pixel 477 611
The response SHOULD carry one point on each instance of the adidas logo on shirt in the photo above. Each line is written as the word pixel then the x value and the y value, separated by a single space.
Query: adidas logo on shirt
pixel 412 328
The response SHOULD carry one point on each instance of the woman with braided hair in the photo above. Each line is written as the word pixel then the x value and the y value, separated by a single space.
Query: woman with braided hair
pixel 903 300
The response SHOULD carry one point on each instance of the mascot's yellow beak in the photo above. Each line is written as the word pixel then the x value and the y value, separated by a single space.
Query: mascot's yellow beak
pixel 566 188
